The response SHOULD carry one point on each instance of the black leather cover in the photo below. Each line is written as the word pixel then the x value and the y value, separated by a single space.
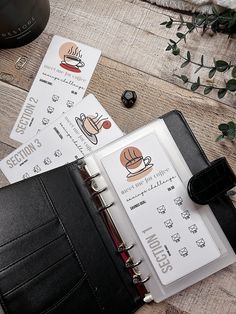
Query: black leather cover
pixel 212 182
pixel 196 159
pixel 56 255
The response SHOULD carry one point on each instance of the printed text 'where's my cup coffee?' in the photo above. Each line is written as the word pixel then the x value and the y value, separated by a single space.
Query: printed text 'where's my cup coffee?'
pixel 79 131
pixel 60 83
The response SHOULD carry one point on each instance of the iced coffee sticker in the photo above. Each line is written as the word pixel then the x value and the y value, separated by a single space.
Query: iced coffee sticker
pixel 165 219
pixel 59 85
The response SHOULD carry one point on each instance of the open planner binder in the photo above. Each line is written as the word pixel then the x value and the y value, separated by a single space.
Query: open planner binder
pixel 119 227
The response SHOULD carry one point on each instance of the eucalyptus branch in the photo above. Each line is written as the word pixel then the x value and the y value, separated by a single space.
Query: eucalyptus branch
pixel 217 22
pixel 219 65
pixel 230 86
pixel 228 131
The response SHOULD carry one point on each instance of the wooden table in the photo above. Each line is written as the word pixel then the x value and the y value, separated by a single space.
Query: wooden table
pixel 133 57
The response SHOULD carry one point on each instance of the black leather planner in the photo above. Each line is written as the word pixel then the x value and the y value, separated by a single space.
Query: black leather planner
pixel 57 254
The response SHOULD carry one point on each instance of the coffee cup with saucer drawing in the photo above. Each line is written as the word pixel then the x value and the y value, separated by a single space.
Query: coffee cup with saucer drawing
pixel 73 61
pixel 89 124
pixel 138 165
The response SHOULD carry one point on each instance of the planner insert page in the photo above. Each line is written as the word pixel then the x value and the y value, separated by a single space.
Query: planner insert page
pixel 167 222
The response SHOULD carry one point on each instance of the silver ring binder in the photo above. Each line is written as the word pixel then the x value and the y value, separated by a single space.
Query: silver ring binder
pixel 137 279
pixel 122 248
pixel 130 264
pixel 105 207
pixel 95 193
pixel 91 177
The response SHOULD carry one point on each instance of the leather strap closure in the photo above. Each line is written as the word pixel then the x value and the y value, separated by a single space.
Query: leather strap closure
pixel 212 182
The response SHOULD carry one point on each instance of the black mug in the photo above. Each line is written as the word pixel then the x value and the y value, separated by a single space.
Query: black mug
pixel 21 21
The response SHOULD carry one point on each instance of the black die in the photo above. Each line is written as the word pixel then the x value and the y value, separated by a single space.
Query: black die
pixel 129 98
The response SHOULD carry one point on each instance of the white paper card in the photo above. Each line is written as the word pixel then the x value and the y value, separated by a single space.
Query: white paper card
pixel 60 83
pixel 81 130
pixel 165 219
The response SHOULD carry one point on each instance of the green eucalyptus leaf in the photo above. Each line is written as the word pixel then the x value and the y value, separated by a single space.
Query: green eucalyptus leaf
pixel 221 93
pixel 202 59
pixel 200 18
pixel 188 55
pixel 231 85
pixel 223 127
pixel 164 23
pixel 194 86
pixel 190 26
pixel 232 125
pixel 169 47
pixel 231 135
pixel 169 24
pixel 212 73
pixel 220 138
pixel 172 41
pixel 180 35
pixel 207 90
pixel 176 51
pixel 221 65
pixel 234 72
pixel 184 64
pixel 184 78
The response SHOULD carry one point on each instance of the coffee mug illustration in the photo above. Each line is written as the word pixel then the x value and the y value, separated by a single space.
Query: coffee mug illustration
pixel 135 163
pixel 71 57
pixel 91 125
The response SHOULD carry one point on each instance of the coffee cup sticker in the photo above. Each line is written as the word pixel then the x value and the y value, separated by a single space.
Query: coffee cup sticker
pixel 71 57
pixel 91 125
pixel 137 165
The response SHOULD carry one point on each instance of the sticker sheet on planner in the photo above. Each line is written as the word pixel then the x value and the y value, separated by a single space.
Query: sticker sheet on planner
pixel 60 84
pixel 165 219
pixel 81 130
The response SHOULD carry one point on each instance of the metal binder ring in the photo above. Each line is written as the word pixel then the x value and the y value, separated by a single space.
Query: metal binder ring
pixel 105 207
pixel 92 177
pixel 81 164
pixel 122 248
pixel 130 264
pixel 99 191
pixel 137 279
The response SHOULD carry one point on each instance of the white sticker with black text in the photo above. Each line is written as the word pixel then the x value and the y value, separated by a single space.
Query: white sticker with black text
pixel 81 130
pixel 165 219
pixel 59 85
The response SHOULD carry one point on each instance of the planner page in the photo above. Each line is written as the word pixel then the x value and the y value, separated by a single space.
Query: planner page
pixel 167 222
pixel 81 130
pixel 59 85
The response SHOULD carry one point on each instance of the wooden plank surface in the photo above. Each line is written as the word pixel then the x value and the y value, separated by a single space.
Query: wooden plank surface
pixel 132 44
pixel 155 97
pixel 129 31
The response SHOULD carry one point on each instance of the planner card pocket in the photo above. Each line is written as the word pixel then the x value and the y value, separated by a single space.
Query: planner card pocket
pixel 38 264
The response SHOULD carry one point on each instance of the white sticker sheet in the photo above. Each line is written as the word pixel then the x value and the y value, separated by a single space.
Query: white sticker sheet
pixel 60 83
pixel 79 131
pixel 166 221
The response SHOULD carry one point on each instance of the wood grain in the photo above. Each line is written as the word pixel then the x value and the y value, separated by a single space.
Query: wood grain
pixel 155 97
pixel 132 44
pixel 128 32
